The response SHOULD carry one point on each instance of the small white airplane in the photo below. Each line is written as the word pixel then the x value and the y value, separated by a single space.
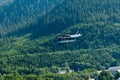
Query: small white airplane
pixel 68 38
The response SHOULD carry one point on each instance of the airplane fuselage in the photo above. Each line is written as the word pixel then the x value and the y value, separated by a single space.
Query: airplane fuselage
pixel 75 36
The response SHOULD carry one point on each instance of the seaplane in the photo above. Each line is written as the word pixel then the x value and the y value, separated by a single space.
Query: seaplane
pixel 68 38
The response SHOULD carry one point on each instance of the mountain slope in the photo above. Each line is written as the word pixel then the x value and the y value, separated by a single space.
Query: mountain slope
pixel 32 49
pixel 21 14
pixel 74 12
pixel 98 23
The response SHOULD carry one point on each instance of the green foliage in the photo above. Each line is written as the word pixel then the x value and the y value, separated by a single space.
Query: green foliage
pixel 117 75
pixel 28 37
pixel 105 76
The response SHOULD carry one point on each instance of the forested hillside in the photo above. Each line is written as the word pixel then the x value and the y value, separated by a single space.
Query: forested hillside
pixel 22 13
pixel 29 31
pixel 74 12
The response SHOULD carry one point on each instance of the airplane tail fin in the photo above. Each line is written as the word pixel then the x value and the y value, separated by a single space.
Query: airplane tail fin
pixel 77 32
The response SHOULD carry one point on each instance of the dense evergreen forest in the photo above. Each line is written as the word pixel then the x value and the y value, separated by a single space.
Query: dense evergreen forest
pixel 29 31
